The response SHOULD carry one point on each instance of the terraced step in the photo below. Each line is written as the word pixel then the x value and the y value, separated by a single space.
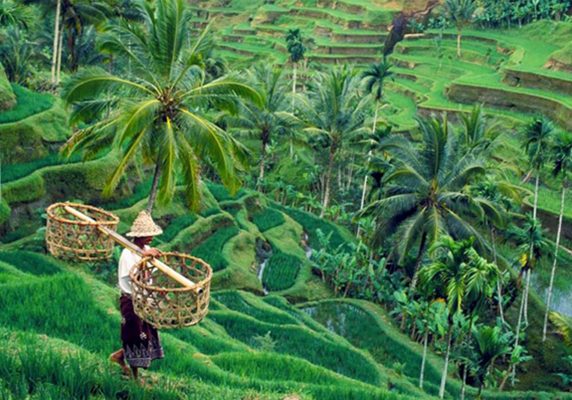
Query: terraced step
pixel 520 99
pixel 554 81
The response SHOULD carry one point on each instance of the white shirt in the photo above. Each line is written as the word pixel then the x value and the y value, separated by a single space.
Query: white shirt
pixel 127 261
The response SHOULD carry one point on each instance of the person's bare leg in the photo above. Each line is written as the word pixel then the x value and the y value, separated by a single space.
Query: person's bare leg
pixel 119 358
pixel 135 373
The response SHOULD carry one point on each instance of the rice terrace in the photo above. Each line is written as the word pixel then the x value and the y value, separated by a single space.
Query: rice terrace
pixel 285 199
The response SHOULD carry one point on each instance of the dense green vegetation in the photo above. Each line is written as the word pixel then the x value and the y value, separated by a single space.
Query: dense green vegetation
pixel 392 226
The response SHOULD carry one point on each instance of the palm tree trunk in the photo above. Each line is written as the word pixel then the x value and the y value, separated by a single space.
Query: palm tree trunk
pixel 294 77
pixel 499 284
pixel 60 51
pixel 517 331
pixel 262 166
pixel 56 41
pixel 327 181
pixel 365 178
pixel 418 261
pixel 422 373
pixel 459 43
pixel 534 211
pixel 154 186
pixel 555 262
pixel 535 206
pixel 526 292
pixel 446 366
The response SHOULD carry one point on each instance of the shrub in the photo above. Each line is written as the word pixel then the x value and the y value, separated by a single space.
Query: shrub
pixel 281 271
pixel 7 97
pixel 5 211
pixel 211 249
pixel 267 218
pixel 28 103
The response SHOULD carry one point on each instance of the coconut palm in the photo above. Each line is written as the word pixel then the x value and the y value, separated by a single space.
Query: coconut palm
pixel 537 138
pixel 373 80
pixel 489 344
pixel 15 14
pixel 335 113
pixel 296 49
pixel 562 151
pixel 159 110
pixel 461 276
pixel 532 246
pixel 428 194
pixel 461 14
pixel 478 135
pixel 267 119
pixel 72 16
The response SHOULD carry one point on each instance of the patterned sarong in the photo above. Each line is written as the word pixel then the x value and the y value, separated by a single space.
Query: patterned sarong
pixel 140 340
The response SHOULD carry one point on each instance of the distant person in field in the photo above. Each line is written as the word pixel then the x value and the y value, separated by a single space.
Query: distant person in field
pixel 140 340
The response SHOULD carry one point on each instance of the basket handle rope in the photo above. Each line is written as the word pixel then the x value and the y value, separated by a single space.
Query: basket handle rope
pixel 161 266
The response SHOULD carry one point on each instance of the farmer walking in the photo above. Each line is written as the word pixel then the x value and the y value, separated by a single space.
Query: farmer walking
pixel 140 340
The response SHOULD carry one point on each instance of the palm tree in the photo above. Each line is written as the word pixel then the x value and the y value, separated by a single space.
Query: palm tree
pixel 532 246
pixel 461 276
pixel 428 194
pixel 373 80
pixel 460 13
pixel 296 49
pixel 266 118
pixel 159 110
pixel 562 166
pixel 478 136
pixel 538 134
pixel 490 344
pixel 15 14
pixel 334 112
pixel 72 16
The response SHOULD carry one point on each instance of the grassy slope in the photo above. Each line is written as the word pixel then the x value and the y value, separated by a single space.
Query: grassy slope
pixel 75 318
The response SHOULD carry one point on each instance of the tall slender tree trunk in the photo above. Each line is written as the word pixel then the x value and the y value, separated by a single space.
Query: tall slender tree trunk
pixel 459 43
pixel 56 40
pixel 418 261
pixel 365 178
pixel 446 366
pixel 60 51
pixel 517 331
pixel 154 187
pixel 425 345
pixel 555 262
pixel 534 212
pixel 294 77
pixel 499 284
pixel 536 184
pixel 262 166
pixel 328 181
pixel 350 173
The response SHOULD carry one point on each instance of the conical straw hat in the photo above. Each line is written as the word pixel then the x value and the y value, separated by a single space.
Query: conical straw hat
pixel 144 226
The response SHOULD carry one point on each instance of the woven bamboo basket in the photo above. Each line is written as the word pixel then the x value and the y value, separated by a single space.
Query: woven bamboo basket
pixel 161 301
pixel 68 237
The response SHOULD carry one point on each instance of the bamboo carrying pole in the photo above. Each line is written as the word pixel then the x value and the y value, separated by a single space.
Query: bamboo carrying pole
pixel 161 266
